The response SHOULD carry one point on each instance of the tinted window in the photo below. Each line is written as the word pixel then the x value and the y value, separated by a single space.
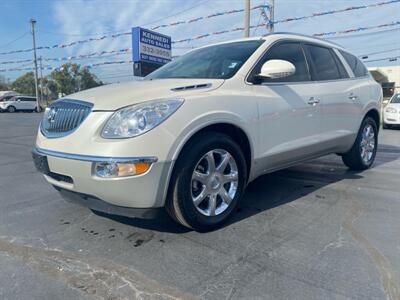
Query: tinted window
pixel 342 70
pixel 355 64
pixel 291 52
pixel 323 61
pixel 6 98
pixel 219 61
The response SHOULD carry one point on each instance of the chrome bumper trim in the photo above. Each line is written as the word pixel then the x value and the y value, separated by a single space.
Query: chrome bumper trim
pixel 91 158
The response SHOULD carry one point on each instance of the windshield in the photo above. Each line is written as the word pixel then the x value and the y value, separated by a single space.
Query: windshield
pixel 216 62
pixel 395 98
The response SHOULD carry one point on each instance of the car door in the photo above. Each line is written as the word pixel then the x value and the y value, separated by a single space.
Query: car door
pixel 30 103
pixel 289 115
pixel 18 103
pixel 340 107
pixel 25 103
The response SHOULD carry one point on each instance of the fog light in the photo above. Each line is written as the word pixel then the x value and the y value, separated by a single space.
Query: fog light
pixel 115 169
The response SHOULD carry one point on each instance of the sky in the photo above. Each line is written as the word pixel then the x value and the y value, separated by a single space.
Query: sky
pixel 71 20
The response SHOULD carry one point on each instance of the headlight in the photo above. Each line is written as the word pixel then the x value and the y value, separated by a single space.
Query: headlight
pixel 391 110
pixel 137 119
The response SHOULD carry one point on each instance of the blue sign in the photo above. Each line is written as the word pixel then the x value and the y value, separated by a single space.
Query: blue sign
pixel 150 46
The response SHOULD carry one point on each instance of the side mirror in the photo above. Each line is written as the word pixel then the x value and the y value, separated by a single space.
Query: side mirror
pixel 277 68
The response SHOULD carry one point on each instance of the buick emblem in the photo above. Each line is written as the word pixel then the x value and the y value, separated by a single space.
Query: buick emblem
pixel 51 117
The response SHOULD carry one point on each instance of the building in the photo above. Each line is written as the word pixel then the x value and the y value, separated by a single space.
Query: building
pixel 387 74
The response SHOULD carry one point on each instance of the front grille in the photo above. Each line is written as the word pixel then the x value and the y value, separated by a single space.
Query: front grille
pixel 63 117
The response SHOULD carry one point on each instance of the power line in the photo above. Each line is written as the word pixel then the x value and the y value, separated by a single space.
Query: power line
pixel 380 52
pixel 362 34
pixel 379 45
pixel 335 11
pixel 327 34
pixel 13 41
pixel 152 22
pixel 393 58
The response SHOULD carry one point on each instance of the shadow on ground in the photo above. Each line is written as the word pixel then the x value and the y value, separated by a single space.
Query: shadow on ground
pixel 267 191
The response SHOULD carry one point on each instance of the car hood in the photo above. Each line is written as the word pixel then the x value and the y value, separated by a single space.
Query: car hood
pixel 115 96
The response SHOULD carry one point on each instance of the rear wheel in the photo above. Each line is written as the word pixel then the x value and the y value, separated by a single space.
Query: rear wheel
pixel 11 109
pixel 362 155
pixel 385 126
pixel 208 181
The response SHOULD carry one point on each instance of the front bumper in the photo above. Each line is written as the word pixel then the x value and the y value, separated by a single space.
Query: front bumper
pixel 74 173
pixel 102 206
pixel 392 118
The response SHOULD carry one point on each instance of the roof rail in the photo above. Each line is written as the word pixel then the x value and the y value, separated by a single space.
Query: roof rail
pixel 304 35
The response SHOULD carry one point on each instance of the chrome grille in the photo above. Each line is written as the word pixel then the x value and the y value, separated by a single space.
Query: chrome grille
pixel 63 117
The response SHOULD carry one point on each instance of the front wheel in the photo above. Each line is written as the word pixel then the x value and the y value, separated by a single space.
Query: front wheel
pixel 11 109
pixel 208 181
pixel 362 155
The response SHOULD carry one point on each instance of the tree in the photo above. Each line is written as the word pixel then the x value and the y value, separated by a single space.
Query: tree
pixel 67 79
pixel 71 78
pixel 25 84
pixel 3 84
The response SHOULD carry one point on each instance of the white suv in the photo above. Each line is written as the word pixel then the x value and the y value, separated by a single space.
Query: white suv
pixel 195 132
pixel 18 103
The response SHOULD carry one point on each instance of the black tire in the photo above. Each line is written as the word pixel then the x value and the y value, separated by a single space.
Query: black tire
pixel 180 204
pixel 11 109
pixel 384 126
pixel 38 110
pixel 353 159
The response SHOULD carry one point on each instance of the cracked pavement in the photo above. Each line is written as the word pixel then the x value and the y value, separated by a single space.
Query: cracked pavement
pixel 314 231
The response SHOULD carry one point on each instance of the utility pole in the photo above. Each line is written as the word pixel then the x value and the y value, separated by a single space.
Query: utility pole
pixel 271 15
pixel 41 78
pixel 246 18
pixel 33 22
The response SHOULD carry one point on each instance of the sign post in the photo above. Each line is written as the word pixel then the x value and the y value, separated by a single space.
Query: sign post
pixel 150 50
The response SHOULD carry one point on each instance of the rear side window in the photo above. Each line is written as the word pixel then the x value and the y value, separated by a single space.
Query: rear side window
pixel 342 71
pixel 28 99
pixel 291 52
pixel 355 64
pixel 323 62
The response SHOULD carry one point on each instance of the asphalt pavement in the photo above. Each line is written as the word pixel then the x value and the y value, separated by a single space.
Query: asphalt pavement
pixel 314 231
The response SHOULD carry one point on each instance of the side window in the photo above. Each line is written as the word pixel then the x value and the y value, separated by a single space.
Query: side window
pixel 323 62
pixel 355 64
pixel 291 52
pixel 342 71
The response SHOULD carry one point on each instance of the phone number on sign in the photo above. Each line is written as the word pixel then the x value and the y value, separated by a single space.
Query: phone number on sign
pixel 155 51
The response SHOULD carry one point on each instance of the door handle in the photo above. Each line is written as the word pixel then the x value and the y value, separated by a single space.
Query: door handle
pixel 313 101
pixel 353 97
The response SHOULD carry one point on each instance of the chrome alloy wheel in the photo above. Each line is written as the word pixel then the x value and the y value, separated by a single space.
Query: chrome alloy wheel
pixel 214 182
pixel 367 144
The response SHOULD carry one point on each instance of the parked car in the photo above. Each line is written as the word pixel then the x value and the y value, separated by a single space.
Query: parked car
pixel 391 113
pixel 6 96
pixel 18 103
pixel 195 132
